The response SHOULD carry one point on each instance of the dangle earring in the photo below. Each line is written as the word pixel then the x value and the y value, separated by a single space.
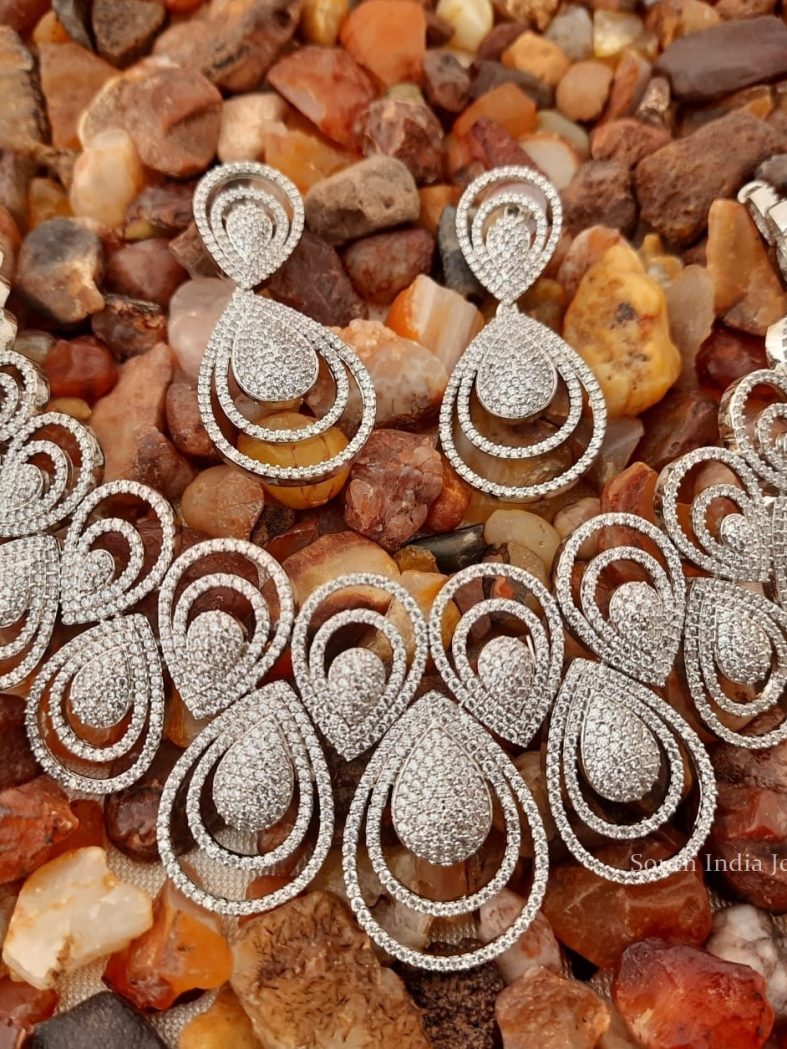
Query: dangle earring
pixel 251 218
pixel 519 393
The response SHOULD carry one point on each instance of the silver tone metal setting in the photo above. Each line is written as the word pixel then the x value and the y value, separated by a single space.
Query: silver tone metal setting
pixel 360 695
pixel 251 218
pixel 213 657
pixel 508 223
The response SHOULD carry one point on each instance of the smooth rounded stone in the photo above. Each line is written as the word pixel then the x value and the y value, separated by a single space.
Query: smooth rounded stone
pixel 677 184
pixel 17 764
pixel 408 131
pixel 747 936
pixel 618 323
pixel 70 77
pixel 682 421
pixel 749 295
pixel 108 175
pixel 174 117
pixel 725 58
pixel 447 511
pixel 224 1024
pixel 81 367
pixel 539 57
pixel 159 211
pixel 145 270
pixel 435 317
pixel 572 30
pixel 293 964
pixel 184 423
pixel 130 327
pixel 391 486
pixel 585 250
pixel 130 814
pixel 536 947
pixel 582 91
pixel 506 104
pixel 339 553
pixel 328 87
pixel 570 517
pixel 221 501
pixel 313 281
pixel 22 15
pixel 446 81
pixel 728 355
pixel 601 192
pixel 322 19
pixel 22 118
pixel 125 29
pixel 193 313
pixel 245 121
pixel 104 1020
pixel 388 40
pixel 382 265
pixel 555 157
pixel 544 1009
pixel 189 251
pixel 60 264
pixel 69 913
pixel 372 195
pixel 552 121
pixel 521 526
pixel 627 141
pixel 34 817
pixel 672 995
pixel 470 20
pixel 235 43
pixel 615 31
pixel 456 550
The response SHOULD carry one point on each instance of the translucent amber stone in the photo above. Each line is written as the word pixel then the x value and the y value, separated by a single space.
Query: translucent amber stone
pixel 433 200
pixel 387 38
pixel 321 19
pixel 436 317
pixel 304 158
pixel 183 951
pixel 46 199
pixel 224 1026
pixel 304 453
pixel 508 105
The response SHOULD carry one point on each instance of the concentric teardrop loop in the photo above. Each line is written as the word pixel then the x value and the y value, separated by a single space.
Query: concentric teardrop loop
pixel 756 431
pixel 24 390
pixel 257 797
pixel 29 587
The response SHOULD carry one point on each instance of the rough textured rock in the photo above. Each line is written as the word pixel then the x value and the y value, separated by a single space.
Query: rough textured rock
pixel 125 29
pixel 103 1020
pixel 728 355
pixel 17 764
pixel 446 81
pixel 313 281
pixel 383 265
pixel 33 817
pixel 22 120
pixel 70 78
pixel 337 554
pixel 130 327
pixel 541 1008
pixel 408 131
pixel 387 40
pixel 146 270
pixel 374 194
pixel 81 367
pixel 682 421
pixel 600 193
pixel 222 501
pixel 107 177
pixel 130 814
pixel 725 58
pixel 747 936
pixel 626 140
pixel 60 264
pixel 676 185
pixel 184 422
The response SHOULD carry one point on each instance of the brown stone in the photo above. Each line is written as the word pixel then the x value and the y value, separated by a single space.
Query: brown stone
pixel 313 281
pixel 627 141
pixel 676 185
pixel 222 502
pixel 446 81
pixel 145 270
pixel 600 193
pixel 159 211
pixel 543 1009
pixel 582 92
pixel 81 367
pixel 129 327
pixel 125 29
pixel 408 131
pixel 17 764
pixel 448 509
pixel 498 40
pixel 375 194
pixel 726 58
pixel 33 818
pixel 682 421
pixel 22 120
pixel 60 263
pixel 488 75
pixel 337 554
pixel 184 422
pixel 728 355
pixel 383 265
pixel 174 117
pixel 130 814
pixel 628 85
pixel 189 251
pixel 392 484
pixel 235 45
pixel 22 15
pixel 70 78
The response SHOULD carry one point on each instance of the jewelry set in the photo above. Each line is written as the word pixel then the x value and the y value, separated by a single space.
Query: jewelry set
pixel 439 790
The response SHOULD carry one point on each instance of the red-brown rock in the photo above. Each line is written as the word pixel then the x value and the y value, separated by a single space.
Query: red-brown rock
pixel 626 141
pixel 33 818
pixel 185 424
pixel 313 281
pixel 408 131
pixel 130 327
pixel 17 764
pixel 600 194
pixel 81 367
pixel 727 355
pixel 146 270
pixel 383 265
pixel 679 423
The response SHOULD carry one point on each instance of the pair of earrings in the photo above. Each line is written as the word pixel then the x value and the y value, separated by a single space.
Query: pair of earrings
pixel 515 373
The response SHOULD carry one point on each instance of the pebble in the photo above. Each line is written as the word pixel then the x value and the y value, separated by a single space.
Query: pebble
pixel 125 29
pixel 22 15
pixel 81 367
pixel 406 130
pixel 328 86
pixel 488 74
pixel 673 995
pixel 525 528
pixel 223 1024
pixel 388 40
pixel 600 192
pixel 130 814
pixel 108 176
pixel 569 130
pixel 184 423
pixel 145 270
pixel 446 81
pixel 73 17
pixel 70 77
pixel 104 1020
pixel 236 42
pixel 304 157
pixel 391 486
pixel 747 936
pixel 60 264
pixel 727 355
pixel 554 156
pixel 130 327
pixel 447 511
pixel 654 106
pixel 333 555
pixel 725 58
pixel 470 20
pixel 22 119
pixel 70 912
pixel 618 323
pixel 774 170
pixel 382 265
pixel 245 121
pixel 544 1009
pixel 223 502
pixel 34 816
pixel 193 312
pixel 627 141
pixel 174 117
pixel 677 184
pixel 748 294
pixel 682 421
pixel 322 19
pixel 435 317
pixel 189 251
pixel 572 30
pixel 159 211
pixel 539 57
pixel 456 273
pixel 374 194
pixel 293 964
pixel 582 91
pixel 536 947
pixel 313 281
pixel 17 764
pixel 585 250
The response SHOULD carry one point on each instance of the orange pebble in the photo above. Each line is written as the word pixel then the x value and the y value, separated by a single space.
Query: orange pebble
pixel 508 105
pixel 388 37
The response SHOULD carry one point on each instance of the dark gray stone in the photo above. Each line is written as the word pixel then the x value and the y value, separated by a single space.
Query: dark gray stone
pixel 104 1021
